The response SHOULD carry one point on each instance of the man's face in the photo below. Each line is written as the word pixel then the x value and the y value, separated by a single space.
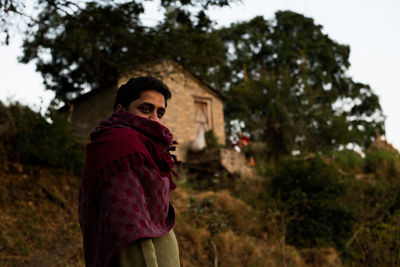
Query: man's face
pixel 150 105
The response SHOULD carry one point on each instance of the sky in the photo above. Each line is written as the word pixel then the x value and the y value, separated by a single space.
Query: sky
pixel 370 27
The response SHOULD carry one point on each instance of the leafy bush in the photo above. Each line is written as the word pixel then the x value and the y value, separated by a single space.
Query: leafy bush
pixel 384 164
pixel 6 129
pixel 312 193
pixel 45 140
pixel 379 245
pixel 211 139
pixel 371 199
pixel 348 161
pixel 373 202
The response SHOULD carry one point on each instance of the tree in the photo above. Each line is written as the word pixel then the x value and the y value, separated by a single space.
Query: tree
pixel 87 49
pixel 288 83
pixel 85 46
pixel 190 41
pixel 286 79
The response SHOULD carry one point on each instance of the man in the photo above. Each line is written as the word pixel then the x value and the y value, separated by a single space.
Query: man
pixel 124 210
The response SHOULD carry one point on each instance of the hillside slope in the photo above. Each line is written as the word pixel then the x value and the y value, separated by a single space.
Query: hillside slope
pixel 39 225
pixel 38 218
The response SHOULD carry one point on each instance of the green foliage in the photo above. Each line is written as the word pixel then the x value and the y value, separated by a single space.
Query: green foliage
pixel 38 141
pixel 211 139
pixel 348 161
pixel 288 84
pixel 375 203
pixel 371 200
pixel 190 41
pixel 97 43
pixel 16 13
pixel 379 246
pixel 286 79
pixel 383 164
pixel 6 129
pixel 258 151
pixel 210 216
pixel 83 53
pixel 203 3
pixel 312 193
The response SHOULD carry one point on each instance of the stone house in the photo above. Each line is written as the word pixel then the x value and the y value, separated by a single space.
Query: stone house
pixel 195 107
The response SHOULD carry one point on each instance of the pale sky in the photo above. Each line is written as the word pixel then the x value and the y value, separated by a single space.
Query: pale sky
pixel 370 27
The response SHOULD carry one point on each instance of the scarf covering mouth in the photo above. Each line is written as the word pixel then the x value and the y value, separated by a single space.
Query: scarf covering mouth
pixel 125 186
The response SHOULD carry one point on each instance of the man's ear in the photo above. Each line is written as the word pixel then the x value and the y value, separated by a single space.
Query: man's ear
pixel 119 108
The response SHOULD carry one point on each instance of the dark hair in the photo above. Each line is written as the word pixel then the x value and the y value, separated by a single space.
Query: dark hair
pixel 131 90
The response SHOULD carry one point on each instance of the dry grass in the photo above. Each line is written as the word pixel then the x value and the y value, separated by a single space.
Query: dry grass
pixel 38 218
pixel 321 257
pixel 215 227
pixel 242 250
pixel 39 225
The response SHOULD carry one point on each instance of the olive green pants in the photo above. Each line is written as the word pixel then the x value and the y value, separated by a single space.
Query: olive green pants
pixel 149 252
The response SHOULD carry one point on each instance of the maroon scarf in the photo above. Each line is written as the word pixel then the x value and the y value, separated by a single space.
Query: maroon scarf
pixel 124 194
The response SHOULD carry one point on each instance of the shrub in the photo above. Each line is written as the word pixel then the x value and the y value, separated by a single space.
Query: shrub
pixel 45 140
pixel 348 161
pixel 373 202
pixel 312 192
pixel 211 139
pixel 6 129
pixel 373 199
pixel 379 245
pixel 256 150
pixel 383 164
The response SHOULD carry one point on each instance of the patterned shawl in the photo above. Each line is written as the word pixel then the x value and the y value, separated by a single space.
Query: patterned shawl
pixel 124 193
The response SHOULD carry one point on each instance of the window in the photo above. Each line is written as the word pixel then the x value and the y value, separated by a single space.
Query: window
pixel 202 115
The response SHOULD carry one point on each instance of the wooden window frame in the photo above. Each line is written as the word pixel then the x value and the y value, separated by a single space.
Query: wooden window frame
pixel 208 101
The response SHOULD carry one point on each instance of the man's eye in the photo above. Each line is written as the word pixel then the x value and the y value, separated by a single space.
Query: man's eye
pixel 145 109
pixel 160 113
